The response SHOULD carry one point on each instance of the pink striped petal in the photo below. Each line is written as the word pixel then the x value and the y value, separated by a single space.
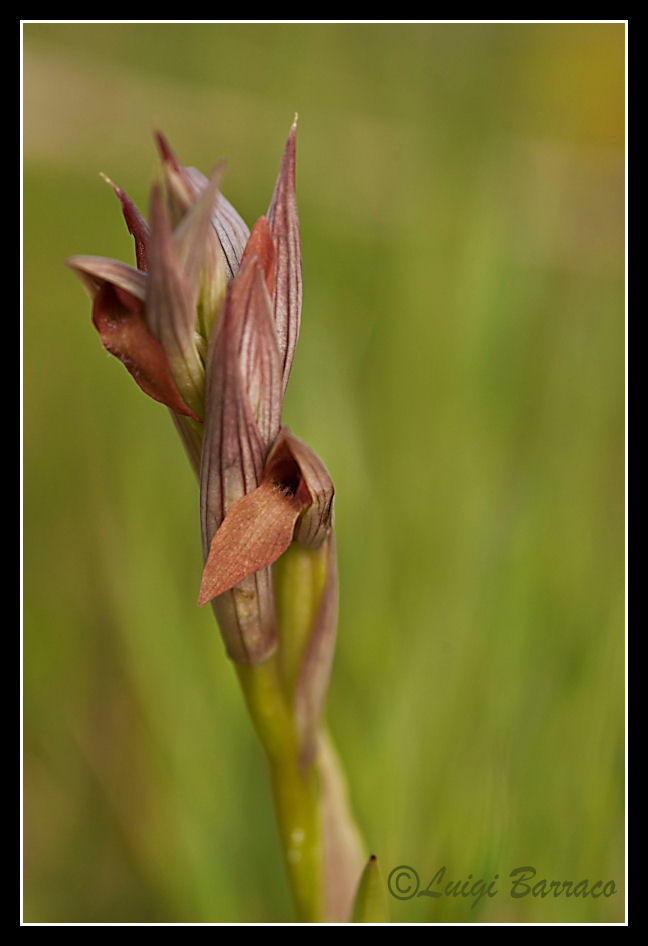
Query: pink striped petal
pixel 283 221
pixel 262 246
pixel 185 184
pixel 242 410
pixel 170 307
pixel 242 397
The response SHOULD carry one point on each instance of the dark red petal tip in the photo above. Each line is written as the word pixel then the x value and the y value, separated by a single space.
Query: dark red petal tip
pixel 137 225
pixel 166 152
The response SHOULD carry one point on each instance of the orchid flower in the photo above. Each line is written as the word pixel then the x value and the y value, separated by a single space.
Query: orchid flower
pixel 207 323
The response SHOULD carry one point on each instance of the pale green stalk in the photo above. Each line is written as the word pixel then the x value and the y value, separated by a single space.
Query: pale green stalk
pixel 295 790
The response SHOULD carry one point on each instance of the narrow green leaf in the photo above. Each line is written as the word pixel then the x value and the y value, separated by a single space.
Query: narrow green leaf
pixel 370 903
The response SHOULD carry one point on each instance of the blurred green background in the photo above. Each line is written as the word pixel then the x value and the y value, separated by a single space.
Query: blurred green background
pixel 460 371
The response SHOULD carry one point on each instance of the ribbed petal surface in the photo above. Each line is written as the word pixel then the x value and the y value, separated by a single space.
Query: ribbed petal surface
pixel 243 405
pixel 185 185
pixel 283 221
pixel 170 307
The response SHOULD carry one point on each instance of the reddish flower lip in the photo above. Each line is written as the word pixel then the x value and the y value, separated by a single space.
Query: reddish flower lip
pixel 261 525
pixel 118 294
pixel 255 532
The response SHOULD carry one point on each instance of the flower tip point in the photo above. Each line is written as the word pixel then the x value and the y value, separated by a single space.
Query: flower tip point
pixel 166 153
pixel 218 173
pixel 115 187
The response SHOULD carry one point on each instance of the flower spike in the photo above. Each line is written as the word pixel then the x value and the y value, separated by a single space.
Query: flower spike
pixel 207 323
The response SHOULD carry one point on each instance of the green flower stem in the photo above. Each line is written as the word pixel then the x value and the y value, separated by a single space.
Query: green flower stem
pixel 295 790
pixel 305 569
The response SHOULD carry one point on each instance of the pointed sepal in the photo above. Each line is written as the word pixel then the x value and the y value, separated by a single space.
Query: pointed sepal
pixel 170 307
pixel 137 225
pixel 184 185
pixel 283 220
pixel 201 256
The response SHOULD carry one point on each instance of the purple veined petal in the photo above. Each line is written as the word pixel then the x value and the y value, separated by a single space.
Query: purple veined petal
pixel 194 230
pixel 242 408
pixel 137 225
pixel 232 231
pixel 118 292
pixel 201 256
pixel 185 184
pixel 283 221
pixel 242 398
pixel 258 355
pixel 170 307
pixel 191 435
pixel 262 246
pixel 246 618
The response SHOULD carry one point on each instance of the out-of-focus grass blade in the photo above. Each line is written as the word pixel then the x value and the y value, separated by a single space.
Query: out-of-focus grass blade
pixel 371 903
